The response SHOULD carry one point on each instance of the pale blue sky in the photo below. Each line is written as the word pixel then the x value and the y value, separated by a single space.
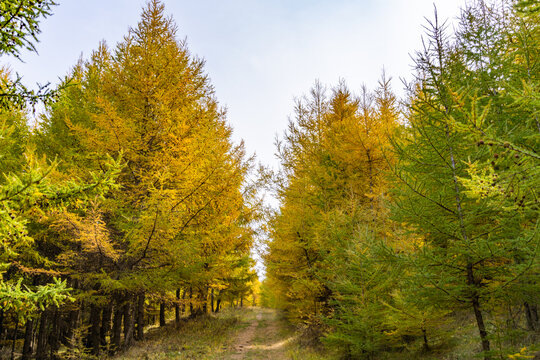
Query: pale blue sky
pixel 260 54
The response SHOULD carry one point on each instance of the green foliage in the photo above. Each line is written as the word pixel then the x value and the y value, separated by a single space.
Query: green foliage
pixel 77 349
pixel 464 227
pixel 322 263
pixel 17 298
pixel 172 215
pixel 25 199
pixel 19 24
pixel 19 28
pixel 468 167
pixel 389 232
pixel 360 287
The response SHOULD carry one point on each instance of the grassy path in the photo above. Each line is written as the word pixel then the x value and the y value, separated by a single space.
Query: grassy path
pixel 267 337
pixel 249 333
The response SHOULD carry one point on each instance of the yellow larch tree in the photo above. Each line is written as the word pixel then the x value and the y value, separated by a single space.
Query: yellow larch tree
pixel 181 212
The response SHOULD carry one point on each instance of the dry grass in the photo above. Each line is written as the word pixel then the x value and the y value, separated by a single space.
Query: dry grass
pixel 207 337
pixel 258 334
pixel 249 333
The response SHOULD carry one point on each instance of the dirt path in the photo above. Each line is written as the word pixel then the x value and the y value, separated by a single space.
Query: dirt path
pixel 264 338
pixel 233 334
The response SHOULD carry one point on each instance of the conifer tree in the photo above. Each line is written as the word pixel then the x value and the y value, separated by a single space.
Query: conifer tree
pixel 331 217
pixel 456 178
pixel 182 216
pixel 31 188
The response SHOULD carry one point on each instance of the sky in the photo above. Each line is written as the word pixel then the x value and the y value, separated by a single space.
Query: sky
pixel 260 54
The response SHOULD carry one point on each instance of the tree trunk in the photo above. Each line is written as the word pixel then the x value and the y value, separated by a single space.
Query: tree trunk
pixel 212 300
pixel 105 325
pixel 481 327
pixel 28 340
pixel 190 301
pixel 93 339
pixel 534 313
pixel 41 350
pixel 1 327
pixel 204 296
pixel 54 334
pixel 475 302
pixel 183 302
pixel 162 314
pixel 116 329
pixel 531 325
pixel 140 317
pixel 426 344
pixel 129 323
pixel 218 305
pixel 14 340
pixel 177 307
pixel 73 323
pixel 127 317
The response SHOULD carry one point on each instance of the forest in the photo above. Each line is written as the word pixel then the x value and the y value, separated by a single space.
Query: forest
pixel 406 228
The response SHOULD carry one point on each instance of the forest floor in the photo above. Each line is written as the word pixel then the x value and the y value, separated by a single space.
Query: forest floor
pixel 255 333
pixel 248 333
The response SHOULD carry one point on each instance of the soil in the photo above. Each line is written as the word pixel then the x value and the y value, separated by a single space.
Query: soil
pixel 266 337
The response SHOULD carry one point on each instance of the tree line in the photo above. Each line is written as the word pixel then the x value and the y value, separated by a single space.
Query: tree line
pixel 399 219
pixel 126 200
